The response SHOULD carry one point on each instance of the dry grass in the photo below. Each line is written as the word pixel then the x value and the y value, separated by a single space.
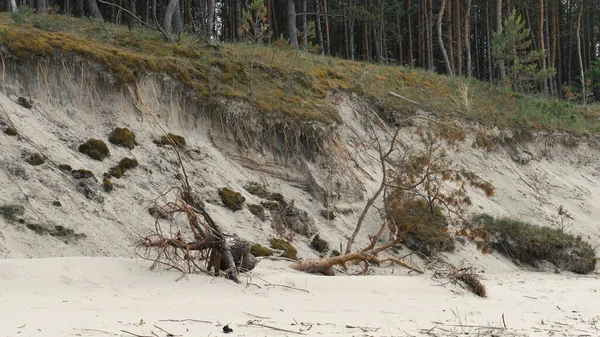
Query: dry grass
pixel 225 73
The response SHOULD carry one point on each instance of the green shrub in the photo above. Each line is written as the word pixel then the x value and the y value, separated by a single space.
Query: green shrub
pixel 257 189
pixel 107 185
pixel 424 225
pixel 179 141
pixel 11 212
pixel 531 244
pixel 95 149
pixel 231 199
pixel 82 174
pixel 65 168
pixel 123 137
pixel 11 131
pixel 288 250
pixel 56 203
pixel 258 250
pixel 258 211
pixel 124 165
pixel 319 244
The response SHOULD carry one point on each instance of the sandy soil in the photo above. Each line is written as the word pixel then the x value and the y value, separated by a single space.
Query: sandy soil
pixel 104 296
pixel 71 295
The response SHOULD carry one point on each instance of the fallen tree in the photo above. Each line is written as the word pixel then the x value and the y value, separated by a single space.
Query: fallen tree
pixel 427 176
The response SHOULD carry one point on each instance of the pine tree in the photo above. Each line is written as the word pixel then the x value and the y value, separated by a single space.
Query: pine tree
pixel 513 46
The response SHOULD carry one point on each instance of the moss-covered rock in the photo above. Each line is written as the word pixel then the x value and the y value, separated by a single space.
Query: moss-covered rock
pixel 231 199
pixel 319 244
pixel 24 102
pixel 258 211
pixel 11 131
pixel 82 174
pixel 123 137
pixel 11 213
pixel 95 149
pixel 258 250
pixel 171 139
pixel 288 250
pixel 107 185
pixel 65 168
pixel 124 165
pixel 36 159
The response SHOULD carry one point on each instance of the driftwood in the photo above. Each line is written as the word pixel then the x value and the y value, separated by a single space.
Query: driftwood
pixel 325 265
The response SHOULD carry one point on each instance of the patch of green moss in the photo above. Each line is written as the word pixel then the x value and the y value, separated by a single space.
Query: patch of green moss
pixel 11 131
pixel 107 185
pixel 257 189
pixel 276 197
pixel 22 101
pixel 257 210
pixel 11 212
pixel 123 137
pixel 288 250
pixel 82 174
pixel 95 149
pixel 56 203
pixel 124 165
pixel 231 199
pixel 36 159
pixel 171 139
pixel 258 250
pixel 319 244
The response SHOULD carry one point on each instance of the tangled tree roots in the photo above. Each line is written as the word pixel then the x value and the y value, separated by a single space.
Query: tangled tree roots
pixel 197 245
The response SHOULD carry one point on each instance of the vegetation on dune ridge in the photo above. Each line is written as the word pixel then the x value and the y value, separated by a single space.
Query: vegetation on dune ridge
pixel 225 73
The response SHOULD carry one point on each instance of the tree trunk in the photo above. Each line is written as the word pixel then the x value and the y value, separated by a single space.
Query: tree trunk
pixel 327 35
pixel 458 30
pixel 210 23
pixel 541 44
pixel 581 71
pixel 319 28
pixel 499 31
pixel 304 25
pixel 488 44
pixel 168 19
pixel 450 34
pixel 351 22
pixel 237 12
pixel 441 41
pixel 468 39
pixel 40 5
pixel 410 36
pixel 93 9
pixel 430 34
pixel 291 23
pixel 177 21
